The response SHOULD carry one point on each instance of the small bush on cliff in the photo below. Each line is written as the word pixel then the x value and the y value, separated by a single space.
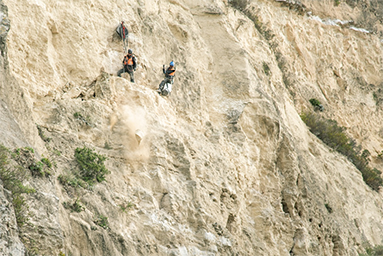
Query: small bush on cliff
pixel 47 162
pixel 126 207
pixel 85 120
pixel 266 68
pixel 41 168
pixel 29 149
pixel 69 179
pixel 374 251
pixel 42 135
pixel 316 104
pixel 76 206
pixel 335 137
pixel 12 178
pixel 92 168
pixel 102 221
pixel 239 4
pixel 37 169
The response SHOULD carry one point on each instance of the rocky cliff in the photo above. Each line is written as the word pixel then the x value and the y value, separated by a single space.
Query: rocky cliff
pixel 225 165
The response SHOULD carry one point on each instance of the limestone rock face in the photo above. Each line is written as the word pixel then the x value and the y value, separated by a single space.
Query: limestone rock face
pixel 224 165
pixel 10 243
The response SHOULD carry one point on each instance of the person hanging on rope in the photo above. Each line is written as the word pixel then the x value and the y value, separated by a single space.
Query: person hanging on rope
pixel 130 65
pixel 169 79
pixel 170 71
pixel 123 32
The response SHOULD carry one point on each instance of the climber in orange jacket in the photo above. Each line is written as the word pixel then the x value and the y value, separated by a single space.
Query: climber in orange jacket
pixel 170 71
pixel 130 65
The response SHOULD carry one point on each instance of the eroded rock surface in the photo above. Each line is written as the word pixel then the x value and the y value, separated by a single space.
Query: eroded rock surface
pixel 224 166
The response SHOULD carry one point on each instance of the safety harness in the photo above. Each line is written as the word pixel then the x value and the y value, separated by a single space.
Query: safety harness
pixel 128 61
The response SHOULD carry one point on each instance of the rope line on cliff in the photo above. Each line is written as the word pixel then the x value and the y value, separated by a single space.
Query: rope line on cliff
pixel 123 32
pixel 124 36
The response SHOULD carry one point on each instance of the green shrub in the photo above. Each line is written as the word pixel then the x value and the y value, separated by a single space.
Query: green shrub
pixel 17 151
pixel 29 149
pixel 266 68
pixel 81 118
pixel 12 178
pixel 316 104
pixel 38 169
pixel 42 135
pixel 20 208
pixel 242 5
pixel 374 251
pixel 337 2
pixel 92 168
pixel 75 207
pixel 107 146
pixel 57 152
pixel 126 207
pixel 366 154
pixel 71 180
pixel 77 115
pixel 372 177
pixel 239 4
pixel 102 221
pixel 47 162
pixel 262 29
pixel 334 136
pixel 380 155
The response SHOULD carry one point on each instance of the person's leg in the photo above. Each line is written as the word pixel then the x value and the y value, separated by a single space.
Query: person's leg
pixel 169 80
pixel 120 72
pixel 131 76
pixel 162 84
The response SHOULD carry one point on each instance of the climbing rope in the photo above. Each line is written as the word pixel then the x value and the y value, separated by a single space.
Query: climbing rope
pixel 124 35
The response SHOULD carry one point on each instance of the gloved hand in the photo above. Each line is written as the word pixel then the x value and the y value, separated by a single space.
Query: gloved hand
pixel 163 66
pixel 135 69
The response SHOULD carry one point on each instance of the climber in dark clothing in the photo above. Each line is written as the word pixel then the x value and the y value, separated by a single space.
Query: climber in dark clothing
pixel 122 31
pixel 130 65
pixel 169 76
pixel 170 71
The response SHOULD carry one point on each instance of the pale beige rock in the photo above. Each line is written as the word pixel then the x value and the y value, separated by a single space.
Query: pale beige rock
pixel 10 243
pixel 225 165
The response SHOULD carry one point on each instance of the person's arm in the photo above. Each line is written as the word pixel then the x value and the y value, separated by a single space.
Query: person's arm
pixel 134 63
pixel 125 30
pixel 163 69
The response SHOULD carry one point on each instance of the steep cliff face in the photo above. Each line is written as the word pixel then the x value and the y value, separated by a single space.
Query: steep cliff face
pixel 225 165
